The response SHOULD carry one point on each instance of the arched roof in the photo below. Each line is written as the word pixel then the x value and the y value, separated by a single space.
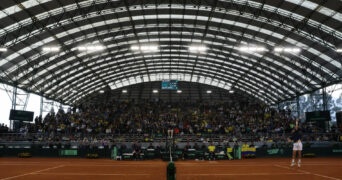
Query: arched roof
pixel 222 26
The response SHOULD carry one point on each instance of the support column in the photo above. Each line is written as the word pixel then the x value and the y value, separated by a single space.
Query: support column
pixel 14 97
pixel 298 107
pixel 14 104
pixel 41 106
pixel 324 96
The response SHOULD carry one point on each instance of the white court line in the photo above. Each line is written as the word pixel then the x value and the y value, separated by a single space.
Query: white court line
pixel 84 165
pixel 12 177
pixel 284 167
pixel 320 175
pixel 307 172
pixel 315 164
pixel 244 174
pixel 221 165
pixel 243 165
pixel 112 165
pixel 92 174
pixel 3 162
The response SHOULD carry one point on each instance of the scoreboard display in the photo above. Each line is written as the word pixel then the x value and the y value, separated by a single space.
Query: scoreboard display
pixel 21 115
pixel 169 84
pixel 319 118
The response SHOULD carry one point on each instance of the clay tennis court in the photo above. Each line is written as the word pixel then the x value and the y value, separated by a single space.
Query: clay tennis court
pixel 73 168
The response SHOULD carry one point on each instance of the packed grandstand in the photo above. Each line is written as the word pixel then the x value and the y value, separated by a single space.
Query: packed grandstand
pixel 127 125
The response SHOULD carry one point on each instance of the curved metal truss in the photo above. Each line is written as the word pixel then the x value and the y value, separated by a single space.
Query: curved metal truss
pixel 222 26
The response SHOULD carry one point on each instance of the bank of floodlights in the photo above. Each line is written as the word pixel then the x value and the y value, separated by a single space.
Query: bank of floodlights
pixel 287 49
pixel 197 48
pixel 145 48
pixel 51 49
pixel 3 49
pixel 251 49
pixel 91 48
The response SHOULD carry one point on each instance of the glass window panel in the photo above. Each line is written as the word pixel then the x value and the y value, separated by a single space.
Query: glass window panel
pixel 337 16
pixel 125 83
pixel 11 10
pixel 207 81
pixel 2 14
pixel 309 5
pixel 187 77
pixel 327 11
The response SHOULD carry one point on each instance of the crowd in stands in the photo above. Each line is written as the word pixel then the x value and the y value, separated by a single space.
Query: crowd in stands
pixel 3 128
pixel 100 123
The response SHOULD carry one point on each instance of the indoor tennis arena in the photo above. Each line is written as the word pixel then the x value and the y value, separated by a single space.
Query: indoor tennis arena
pixel 171 89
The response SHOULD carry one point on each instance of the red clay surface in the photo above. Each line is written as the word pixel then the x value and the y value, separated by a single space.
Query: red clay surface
pixel 86 169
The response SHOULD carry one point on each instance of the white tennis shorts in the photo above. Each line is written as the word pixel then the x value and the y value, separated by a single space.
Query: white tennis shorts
pixel 298 146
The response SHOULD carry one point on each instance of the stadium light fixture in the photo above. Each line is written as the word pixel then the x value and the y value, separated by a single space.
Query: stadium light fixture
pixel 51 49
pixel 145 48
pixel 252 49
pixel 91 48
pixel 287 49
pixel 155 91
pixel 197 48
pixel 135 47
pixel 124 91
pixel 209 91
pixel 3 49
pixel 179 91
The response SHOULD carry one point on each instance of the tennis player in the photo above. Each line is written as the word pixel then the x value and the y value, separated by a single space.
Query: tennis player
pixel 297 146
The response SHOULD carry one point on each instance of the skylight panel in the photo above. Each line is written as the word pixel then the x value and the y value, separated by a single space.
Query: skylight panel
pixel 326 11
pixel 11 10
pixel 337 16
pixel 309 5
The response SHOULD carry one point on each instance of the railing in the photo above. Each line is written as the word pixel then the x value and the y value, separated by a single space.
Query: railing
pixel 200 137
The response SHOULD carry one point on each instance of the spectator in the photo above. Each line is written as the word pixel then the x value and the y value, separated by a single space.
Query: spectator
pixel 136 150
pixel 211 151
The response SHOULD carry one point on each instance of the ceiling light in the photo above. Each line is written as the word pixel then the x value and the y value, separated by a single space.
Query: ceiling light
pixel 2 49
pixel 148 48
pixel 179 91
pixel 231 91
pixel 252 49
pixel 101 91
pixel 91 48
pixel 135 48
pixel 155 91
pixel 287 49
pixel 124 91
pixel 197 48
pixel 209 91
pixel 51 49
pixel 339 50
pixel 145 48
